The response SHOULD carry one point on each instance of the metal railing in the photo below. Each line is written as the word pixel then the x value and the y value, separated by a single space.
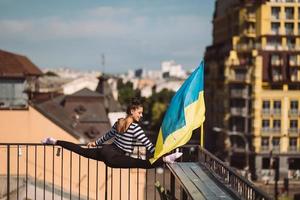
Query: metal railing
pixel 37 171
pixel 234 182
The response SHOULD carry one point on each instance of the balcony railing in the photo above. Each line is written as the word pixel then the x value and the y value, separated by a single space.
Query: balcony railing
pixel 227 176
pixel 293 149
pixel 266 112
pixel 237 111
pixel 294 131
pixel 276 112
pixel 293 112
pixel 240 93
pixel 265 130
pixel 36 171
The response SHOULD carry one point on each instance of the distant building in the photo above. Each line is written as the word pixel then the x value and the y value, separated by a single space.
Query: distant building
pixel 253 81
pixel 80 83
pixel 18 77
pixel 171 69
pixel 172 85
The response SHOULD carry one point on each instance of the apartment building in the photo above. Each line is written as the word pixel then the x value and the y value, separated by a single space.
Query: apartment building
pixel 253 82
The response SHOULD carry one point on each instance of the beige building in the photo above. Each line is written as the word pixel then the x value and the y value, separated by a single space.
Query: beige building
pixel 253 82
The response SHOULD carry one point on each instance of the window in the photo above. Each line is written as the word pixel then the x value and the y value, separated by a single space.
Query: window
pixel 276 74
pixel 292 60
pixel 294 124
pixel 291 43
pixel 275 142
pixel 275 59
pixel 294 105
pixel 275 27
pixel 293 143
pixel 275 12
pixel 289 28
pixel 273 43
pixel 276 124
pixel 265 123
pixel 265 142
pixel 266 104
pixel 277 105
pixel 266 163
pixel 289 13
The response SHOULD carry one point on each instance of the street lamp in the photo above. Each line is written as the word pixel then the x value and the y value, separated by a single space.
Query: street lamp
pixel 236 133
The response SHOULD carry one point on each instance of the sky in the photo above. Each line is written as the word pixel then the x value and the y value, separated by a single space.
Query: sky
pixel 130 34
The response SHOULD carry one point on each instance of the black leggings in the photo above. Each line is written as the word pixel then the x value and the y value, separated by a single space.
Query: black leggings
pixel 111 155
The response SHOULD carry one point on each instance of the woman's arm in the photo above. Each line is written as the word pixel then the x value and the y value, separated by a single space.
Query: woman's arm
pixel 110 134
pixel 139 134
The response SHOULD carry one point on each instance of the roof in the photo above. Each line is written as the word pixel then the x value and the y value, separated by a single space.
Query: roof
pixel 14 65
pixel 84 118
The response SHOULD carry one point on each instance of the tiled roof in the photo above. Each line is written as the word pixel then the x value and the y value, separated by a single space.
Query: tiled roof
pixel 84 118
pixel 13 65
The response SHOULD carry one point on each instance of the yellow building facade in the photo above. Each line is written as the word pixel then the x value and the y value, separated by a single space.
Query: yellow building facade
pixel 255 61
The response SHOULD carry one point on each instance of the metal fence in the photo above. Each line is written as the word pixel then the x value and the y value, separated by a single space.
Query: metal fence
pixel 37 171
pixel 235 183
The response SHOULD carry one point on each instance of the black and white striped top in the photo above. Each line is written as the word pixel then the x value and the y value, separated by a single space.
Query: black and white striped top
pixel 126 141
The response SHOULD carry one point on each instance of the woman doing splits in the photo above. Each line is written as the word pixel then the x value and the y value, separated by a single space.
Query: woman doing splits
pixel 125 132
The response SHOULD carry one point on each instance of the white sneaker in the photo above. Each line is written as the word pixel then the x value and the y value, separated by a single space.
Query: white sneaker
pixel 172 157
pixel 49 140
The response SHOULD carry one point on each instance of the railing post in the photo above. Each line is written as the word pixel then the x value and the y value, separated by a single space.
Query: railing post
pixel 172 182
pixel 8 172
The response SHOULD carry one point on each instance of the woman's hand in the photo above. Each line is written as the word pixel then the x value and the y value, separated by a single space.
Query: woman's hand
pixel 91 144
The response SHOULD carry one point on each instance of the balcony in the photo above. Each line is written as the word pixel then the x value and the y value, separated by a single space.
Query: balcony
pixel 293 113
pixel 251 17
pixel 276 112
pixel 265 131
pixel 276 62
pixel 295 77
pixel 35 171
pixel 266 112
pixel 238 111
pixel 293 61
pixel 276 131
pixel 293 131
pixel 294 174
pixel 265 148
pixel 244 47
pixel 249 32
pixel 293 149
pixel 239 93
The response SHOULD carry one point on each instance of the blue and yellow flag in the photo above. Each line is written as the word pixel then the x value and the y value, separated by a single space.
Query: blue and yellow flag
pixel 185 113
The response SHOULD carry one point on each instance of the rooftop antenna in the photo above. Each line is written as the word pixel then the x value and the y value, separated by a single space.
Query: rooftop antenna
pixel 103 62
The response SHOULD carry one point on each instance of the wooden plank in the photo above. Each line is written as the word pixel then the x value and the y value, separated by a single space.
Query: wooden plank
pixel 221 194
pixel 197 181
pixel 185 182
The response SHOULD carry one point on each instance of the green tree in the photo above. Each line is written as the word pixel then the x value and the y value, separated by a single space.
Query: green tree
pixel 155 107
pixel 126 92
pixel 158 110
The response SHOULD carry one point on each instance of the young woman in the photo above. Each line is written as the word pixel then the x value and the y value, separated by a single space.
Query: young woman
pixel 126 132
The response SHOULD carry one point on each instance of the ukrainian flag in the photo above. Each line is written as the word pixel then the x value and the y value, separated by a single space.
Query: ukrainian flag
pixel 185 113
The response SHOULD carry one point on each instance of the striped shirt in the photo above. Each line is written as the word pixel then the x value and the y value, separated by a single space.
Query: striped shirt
pixel 127 140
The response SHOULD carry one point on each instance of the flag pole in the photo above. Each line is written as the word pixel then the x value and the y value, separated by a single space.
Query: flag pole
pixel 201 136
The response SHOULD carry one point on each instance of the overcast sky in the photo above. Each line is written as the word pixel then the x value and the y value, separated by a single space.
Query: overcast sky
pixel 131 34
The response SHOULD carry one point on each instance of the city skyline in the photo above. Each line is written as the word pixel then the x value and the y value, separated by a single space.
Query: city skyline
pixel 130 34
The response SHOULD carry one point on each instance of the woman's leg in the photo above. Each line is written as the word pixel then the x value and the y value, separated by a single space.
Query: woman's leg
pixel 93 153
pixel 117 159
pixel 123 161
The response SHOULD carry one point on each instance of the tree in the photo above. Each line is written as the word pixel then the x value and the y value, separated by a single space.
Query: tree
pixel 126 92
